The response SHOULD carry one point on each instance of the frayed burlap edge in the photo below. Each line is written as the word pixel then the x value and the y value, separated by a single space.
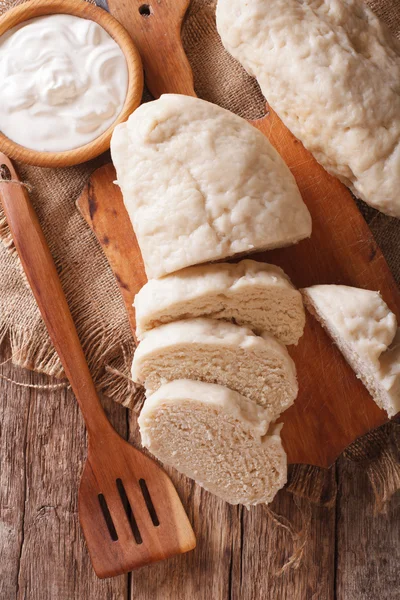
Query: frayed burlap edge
pixel 298 539
pixel 5 234
pixel 315 484
pixel 378 453
pixel 30 352
pixel 32 349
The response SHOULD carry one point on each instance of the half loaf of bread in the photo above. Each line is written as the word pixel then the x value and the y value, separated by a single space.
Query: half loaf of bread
pixel 258 367
pixel 363 327
pixel 200 184
pixel 216 437
pixel 250 293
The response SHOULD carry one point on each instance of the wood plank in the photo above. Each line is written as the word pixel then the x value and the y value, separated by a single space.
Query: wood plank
pixel 265 549
pixel 43 446
pixel 368 548
pixel 14 409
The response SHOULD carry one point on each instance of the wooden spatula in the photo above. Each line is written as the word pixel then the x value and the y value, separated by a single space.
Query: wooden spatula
pixel 333 407
pixel 129 510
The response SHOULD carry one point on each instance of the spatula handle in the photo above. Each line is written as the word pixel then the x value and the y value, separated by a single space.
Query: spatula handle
pixel 155 27
pixel 43 278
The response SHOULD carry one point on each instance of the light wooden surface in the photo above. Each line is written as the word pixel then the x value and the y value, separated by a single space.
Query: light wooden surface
pixel 351 554
pixel 365 542
pixel 79 8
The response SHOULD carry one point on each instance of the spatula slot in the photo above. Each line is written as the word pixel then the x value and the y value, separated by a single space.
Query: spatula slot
pixel 149 502
pixel 145 10
pixel 129 512
pixel 5 173
pixel 108 518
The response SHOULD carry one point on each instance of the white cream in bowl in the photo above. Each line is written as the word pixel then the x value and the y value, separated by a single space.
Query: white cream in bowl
pixel 63 82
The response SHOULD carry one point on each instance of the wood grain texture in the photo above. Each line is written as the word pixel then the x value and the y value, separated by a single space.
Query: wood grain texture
pixel 42 449
pixel 368 547
pixel 36 8
pixel 44 557
pixel 14 415
pixel 264 549
pixel 102 206
pixel 238 557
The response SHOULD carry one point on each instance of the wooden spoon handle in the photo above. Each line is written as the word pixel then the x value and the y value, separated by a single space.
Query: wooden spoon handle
pixel 43 278
pixel 155 28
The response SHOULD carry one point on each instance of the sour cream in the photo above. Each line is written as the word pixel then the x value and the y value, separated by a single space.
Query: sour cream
pixel 63 82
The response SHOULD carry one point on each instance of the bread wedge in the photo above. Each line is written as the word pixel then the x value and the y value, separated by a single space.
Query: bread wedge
pixel 365 330
pixel 201 184
pixel 216 437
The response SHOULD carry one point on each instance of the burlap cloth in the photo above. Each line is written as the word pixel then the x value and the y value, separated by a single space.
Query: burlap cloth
pixel 91 289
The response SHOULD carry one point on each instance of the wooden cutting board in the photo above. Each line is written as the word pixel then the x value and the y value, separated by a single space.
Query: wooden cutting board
pixel 333 408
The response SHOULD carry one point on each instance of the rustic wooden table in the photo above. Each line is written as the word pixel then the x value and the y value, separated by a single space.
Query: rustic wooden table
pixel 351 553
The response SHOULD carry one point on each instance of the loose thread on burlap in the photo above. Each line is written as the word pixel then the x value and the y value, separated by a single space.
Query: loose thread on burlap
pixel 5 177
pixel 299 538
pixel 21 183
pixel 115 371
pixel 34 386
pixel 139 393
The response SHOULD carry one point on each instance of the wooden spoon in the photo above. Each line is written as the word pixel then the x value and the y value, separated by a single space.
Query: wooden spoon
pixel 129 510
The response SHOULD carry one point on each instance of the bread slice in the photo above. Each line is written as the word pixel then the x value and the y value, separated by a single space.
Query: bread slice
pixel 259 368
pixel 201 184
pixel 250 293
pixel 216 437
pixel 363 327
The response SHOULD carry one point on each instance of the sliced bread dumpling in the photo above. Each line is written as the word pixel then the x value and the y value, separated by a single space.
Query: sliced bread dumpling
pixel 365 330
pixel 201 184
pixel 216 437
pixel 257 367
pixel 250 293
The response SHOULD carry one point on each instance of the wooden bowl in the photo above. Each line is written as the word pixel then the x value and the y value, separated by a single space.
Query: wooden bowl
pixel 78 8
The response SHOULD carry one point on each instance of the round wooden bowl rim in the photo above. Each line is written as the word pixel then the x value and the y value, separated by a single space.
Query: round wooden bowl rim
pixel 79 8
